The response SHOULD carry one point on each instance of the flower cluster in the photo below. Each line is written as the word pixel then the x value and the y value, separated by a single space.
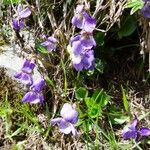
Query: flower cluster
pixel 35 94
pixel 146 9
pixel 50 43
pixel 133 132
pixel 69 116
pixel 25 76
pixel 81 52
pixel 21 14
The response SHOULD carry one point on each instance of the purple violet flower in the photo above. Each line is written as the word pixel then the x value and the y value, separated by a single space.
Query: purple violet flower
pixel 145 11
pixel 28 66
pixel 81 42
pixel 81 52
pixel 25 75
pixel 38 85
pixel 21 14
pixel 85 60
pixel 18 24
pixel 83 20
pixel 133 132
pixel 35 95
pixel 69 116
pixel 50 43
pixel 25 78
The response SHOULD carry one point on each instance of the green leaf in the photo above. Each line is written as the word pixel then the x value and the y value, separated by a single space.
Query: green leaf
pixel 125 101
pixel 136 8
pixel 128 26
pixel 41 48
pixel 5 111
pixel 134 3
pixel 94 111
pixel 116 116
pixel 101 98
pixel 121 119
pixel 95 103
pixel 8 2
pixel 81 93
pixel 88 101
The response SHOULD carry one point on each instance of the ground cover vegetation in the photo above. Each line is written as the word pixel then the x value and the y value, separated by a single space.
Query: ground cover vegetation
pixel 93 88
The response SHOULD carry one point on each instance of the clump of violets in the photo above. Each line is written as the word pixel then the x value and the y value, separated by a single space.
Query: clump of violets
pixel 21 13
pixel 69 116
pixel 50 43
pixel 146 9
pixel 25 75
pixel 81 52
pixel 35 94
pixel 132 131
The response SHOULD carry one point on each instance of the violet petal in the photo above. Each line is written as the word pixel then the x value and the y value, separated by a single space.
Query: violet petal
pixel 76 59
pixel 25 13
pixel 88 43
pixel 52 39
pixel 146 11
pixel 46 43
pixel 73 130
pixel 19 8
pixel 28 66
pixel 77 21
pixel 33 98
pixel 78 67
pixel 24 78
pixel 75 38
pixel 38 85
pixel 65 127
pixel 144 131
pixel 77 47
pixel 55 121
pixel 17 24
pixel 79 8
pixel 134 124
pixel 128 133
pixel 88 59
pixel 89 23
pixel 69 113
pixel 51 47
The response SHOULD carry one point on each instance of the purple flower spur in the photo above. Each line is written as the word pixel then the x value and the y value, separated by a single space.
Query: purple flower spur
pixel 50 43
pixel 133 132
pixel 25 75
pixel 35 95
pixel 22 13
pixel 83 20
pixel 69 116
